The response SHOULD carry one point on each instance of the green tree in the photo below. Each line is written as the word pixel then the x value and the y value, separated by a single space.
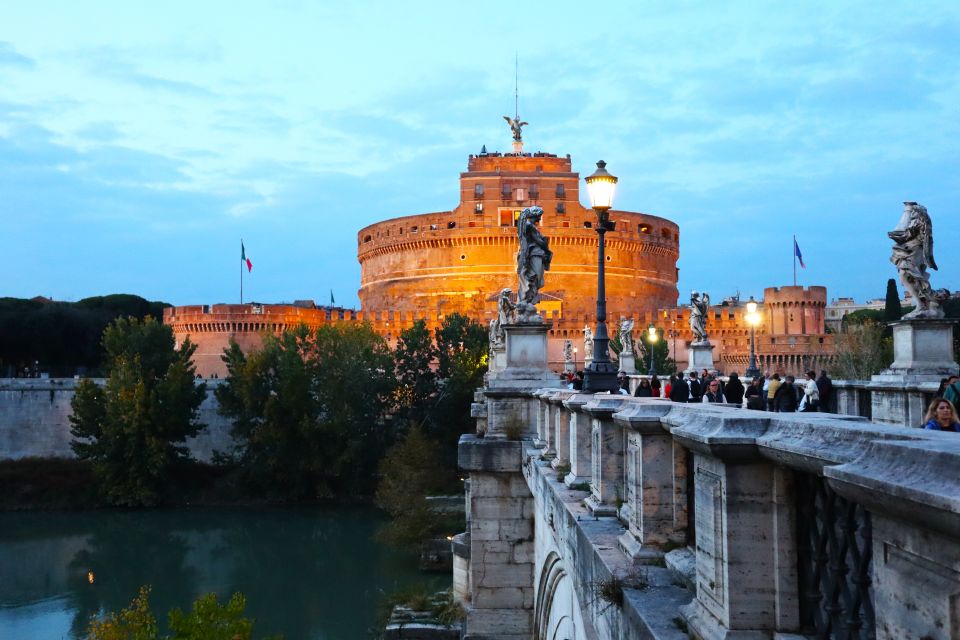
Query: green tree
pixel 310 410
pixel 463 348
pixel 892 310
pixel 206 620
pixel 662 361
pixel 410 471
pixel 132 429
pixel 416 379
pixel 861 316
pixel 861 351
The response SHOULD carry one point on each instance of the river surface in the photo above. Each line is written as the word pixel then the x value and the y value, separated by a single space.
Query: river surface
pixel 307 572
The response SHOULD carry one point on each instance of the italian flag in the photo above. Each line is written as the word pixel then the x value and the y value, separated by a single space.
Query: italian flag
pixel 244 258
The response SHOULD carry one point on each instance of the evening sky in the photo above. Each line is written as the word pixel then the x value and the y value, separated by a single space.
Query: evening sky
pixel 140 141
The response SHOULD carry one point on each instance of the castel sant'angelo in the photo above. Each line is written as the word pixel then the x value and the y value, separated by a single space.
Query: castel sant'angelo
pixel 429 265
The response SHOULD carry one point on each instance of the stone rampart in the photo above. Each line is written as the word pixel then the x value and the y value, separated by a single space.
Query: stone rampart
pixel 35 420
pixel 649 519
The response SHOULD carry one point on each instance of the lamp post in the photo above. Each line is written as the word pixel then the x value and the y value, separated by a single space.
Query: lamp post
pixel 601 375
pixel 652 338
pixel 575 351
pixel 752 318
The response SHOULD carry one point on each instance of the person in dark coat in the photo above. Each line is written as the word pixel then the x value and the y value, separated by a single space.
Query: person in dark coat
pixel 825 389
pixel 785 400
pixel 713 393
pixel 733 390
pixel 655 386
pixel 754 394
pixel 680 392
pixel 696 388
pixel 644 390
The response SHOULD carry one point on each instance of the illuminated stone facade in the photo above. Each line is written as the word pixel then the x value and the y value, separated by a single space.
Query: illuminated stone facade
pixel 430 265
pixel 790 337
pixel 211 327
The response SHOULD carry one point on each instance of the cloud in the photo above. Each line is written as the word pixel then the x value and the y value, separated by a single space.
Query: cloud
pixel 10 57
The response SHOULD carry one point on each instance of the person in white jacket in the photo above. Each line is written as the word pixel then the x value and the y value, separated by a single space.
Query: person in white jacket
pixel 811 395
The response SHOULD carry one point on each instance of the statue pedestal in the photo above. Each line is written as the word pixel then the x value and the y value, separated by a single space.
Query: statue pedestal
pixel 498 359
pixel 518 147
pixel 525 359
pixel 507 390
pixel 628 362
pixel 922 353
pixel 922 350
pixel 701 357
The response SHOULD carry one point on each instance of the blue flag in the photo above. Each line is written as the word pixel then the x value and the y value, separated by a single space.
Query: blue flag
pixel 796 252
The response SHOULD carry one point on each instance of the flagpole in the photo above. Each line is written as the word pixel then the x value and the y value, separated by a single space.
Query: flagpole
pixel 241 272
pixel 794 260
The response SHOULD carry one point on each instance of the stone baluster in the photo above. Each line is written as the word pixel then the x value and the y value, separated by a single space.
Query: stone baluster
pixel 579 439
pixel 915 515
pixel 606 456
pixel 740 529
pixel 561 427
pixel 545 431
pixel 650 502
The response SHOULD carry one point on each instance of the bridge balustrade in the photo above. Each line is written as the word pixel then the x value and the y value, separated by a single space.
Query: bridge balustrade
pixel 816 524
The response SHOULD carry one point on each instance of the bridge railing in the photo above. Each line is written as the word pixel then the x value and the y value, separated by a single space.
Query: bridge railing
pixel 796 523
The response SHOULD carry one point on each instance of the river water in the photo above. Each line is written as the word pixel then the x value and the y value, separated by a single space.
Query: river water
pixel 307 572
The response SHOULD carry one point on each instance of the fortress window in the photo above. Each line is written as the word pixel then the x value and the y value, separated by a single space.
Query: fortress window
pixel 519 195
pixel 534 192
pixel 451 224
pixel 478 208
pixel 505 191
pixel 561 207
pixel 587 224
pixel 413 229
pixel 463 256
pixel 561 191
pixel 367 238
pixel 643 228
pixel 433 227
pixel 665 233
pixel 478 191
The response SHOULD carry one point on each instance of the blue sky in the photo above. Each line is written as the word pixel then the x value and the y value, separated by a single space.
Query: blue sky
pixel 140 141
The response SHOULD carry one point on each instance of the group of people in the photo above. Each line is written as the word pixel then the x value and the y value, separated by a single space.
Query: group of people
pixel 942 412
pixel 773 393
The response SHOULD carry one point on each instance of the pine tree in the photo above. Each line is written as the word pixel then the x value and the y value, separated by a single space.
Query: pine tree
pixel 892 310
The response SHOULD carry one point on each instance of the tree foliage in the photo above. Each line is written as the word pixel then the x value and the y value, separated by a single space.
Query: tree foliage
pixel 662 362
pixel 206 620
pixel 410 471
pixel 862 350
pixel 64 336
pixel 416 380
pixel 309 409
pixel 892 309
pixel 132 429
pixel 438 396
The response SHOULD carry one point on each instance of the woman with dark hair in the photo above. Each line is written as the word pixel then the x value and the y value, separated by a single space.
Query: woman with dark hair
pixel 941 416
pixel 644 390
pixel 754 395
pixel 655 385
pixel 733 390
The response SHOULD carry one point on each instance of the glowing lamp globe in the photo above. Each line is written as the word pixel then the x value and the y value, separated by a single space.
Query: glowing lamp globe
pixel 601 186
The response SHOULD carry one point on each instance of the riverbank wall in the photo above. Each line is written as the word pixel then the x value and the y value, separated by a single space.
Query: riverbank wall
pixel 35 420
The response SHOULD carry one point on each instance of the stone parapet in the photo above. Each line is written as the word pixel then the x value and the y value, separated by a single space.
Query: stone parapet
pixel 789 522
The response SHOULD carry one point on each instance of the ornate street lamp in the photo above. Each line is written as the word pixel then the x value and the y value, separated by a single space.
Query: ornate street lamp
pixel 652 338
pixel 601 375
pixel 752 319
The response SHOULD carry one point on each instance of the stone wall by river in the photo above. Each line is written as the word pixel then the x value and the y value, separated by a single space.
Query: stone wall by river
pixel 35 420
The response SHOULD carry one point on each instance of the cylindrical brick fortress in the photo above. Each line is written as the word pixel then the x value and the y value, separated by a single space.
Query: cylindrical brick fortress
pixel 435 264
